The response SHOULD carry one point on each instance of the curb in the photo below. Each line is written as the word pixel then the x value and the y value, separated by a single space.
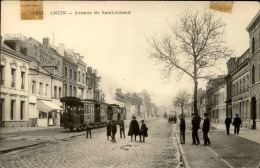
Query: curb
pixel 183 155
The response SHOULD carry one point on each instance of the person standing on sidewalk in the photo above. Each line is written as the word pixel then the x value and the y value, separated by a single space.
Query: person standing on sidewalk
pixel 182 129
pixel 122 129
pixel 228 121
pixel 237 122
pixel 205 129
pixel 195 128
pixel 134 129
pixel 88 127
pixel 143 131
pixel 108 129
pixel 113 130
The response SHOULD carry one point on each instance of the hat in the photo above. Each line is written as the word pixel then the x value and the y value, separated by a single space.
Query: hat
pixel 142 120
pixel 206 114
pixel 134 117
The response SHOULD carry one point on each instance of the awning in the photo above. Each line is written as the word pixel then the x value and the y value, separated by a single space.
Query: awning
pixel 47 106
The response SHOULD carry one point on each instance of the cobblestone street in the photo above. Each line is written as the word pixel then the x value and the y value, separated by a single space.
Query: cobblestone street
pixel 159 150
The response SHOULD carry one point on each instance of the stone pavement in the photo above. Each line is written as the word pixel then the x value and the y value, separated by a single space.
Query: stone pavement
pixel 159 150
pixel 241 150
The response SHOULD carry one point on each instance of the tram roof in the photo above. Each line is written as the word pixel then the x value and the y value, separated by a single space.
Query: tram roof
pixel 70 99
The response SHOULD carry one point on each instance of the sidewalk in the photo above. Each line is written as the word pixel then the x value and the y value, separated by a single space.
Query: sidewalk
pixel 225 150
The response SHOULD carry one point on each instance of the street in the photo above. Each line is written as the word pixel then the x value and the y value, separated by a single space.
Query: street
pixel 159 150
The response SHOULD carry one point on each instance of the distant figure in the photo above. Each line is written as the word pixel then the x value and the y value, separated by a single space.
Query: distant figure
pixel 174 118
pixel 88 127
pixel 108 129
pixel 143 131
pixel 122 129
pixel 113 130
pixel 134 128
pixel 228 121
pixel 237 122
pixel 205 129
pixel 195 127
pixel 165 116
pixel 182 129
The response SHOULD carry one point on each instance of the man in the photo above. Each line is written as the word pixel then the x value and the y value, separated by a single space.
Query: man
pixel 195 128
pixel 88 127
pixel 122 129
pixel 228 121
pixel 182 129
pixel 205 129
pixel 237 122
pixel 113 131
pixel 134 129
pixel 108 129
pixel 143 131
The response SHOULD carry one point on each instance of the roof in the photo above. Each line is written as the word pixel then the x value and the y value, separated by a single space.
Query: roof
pixel 253 21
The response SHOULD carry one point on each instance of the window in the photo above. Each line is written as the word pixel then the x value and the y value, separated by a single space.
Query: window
pixel 55 91
pixel 75 75
pixel 65 71
pixel 41 89
pixel 65 89
pixel 79 76
pixel 12 109
pixel 75 91
pixel 22 110
pixel 2 72
pixel 70 90
pixel 33 87
pixel 70 74
pixel 42 115
pixel 13 77
pixel 253 45
pixel 253 74
pixel 46 91
pixel 59 92
pixel 22 79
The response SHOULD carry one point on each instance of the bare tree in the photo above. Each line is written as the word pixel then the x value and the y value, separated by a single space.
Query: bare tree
pixel 193 47
pixel 182 99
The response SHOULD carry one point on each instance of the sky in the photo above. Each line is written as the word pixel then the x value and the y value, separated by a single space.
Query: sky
pixel 116 45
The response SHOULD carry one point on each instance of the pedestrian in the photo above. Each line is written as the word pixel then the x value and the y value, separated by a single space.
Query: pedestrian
pixel 237 122
pixel 182 129
pixel 205 129
pixel 122 129
pixel 88 127
pixel 134 129
pixel 113 131
pixel 108 129
pixel 143 131
pixel 195 127
pixel 228 121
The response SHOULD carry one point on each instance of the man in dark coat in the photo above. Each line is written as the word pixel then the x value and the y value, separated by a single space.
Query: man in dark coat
pixel 195 128
pixel 108 129
pixel 113 131
pixel 182 129
pixel 134 128
pixel 237 122
pixel 205 129
pixel 143 131
pixel 228 121
pixel 88 127
pixel 122 129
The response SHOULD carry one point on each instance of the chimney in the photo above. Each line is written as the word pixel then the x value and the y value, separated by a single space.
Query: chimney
pixel 118 90
pixel 77 56
pixel 61 49
pixel 89 70
pixel 95 71
pixel 46 41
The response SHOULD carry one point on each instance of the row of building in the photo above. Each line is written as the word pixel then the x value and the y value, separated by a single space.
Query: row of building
pixel 238 92
pixel 34 76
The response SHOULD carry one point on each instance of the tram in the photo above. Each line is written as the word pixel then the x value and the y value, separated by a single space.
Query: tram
pixel 77 112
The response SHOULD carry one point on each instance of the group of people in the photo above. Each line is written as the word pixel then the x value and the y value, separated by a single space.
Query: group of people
pixel 195 125
pixel 134 130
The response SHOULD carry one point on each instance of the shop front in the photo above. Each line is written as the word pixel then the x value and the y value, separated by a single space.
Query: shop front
pixel 48 113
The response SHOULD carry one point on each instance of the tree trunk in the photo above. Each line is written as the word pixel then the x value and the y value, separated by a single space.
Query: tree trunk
pixel 195 97
pixel 182 111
